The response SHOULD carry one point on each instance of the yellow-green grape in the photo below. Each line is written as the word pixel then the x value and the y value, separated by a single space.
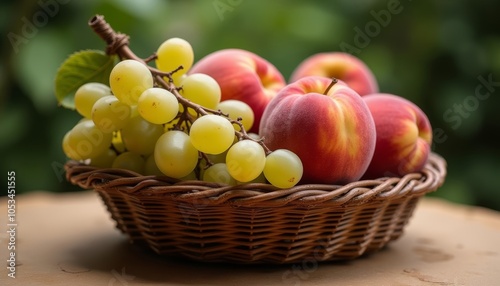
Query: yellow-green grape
pixel 158 105
pixel 109 114
pixel 260 179
pixel 173 53
pixel 117 142
pixel 174 154
pixel 150 167
pixel 129 79
pixel 87 94
pixel 105 160
pixel 283 168
pixel 129 161
pixel 85 141
pixel 201 89
pixel 140 136
pixel 218 173
pixel 238 109
pixel 212 134
pixel 245 160
pixel 134 112
pixel 68 151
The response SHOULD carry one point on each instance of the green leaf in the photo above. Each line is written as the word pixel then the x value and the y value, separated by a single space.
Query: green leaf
pixel 80 68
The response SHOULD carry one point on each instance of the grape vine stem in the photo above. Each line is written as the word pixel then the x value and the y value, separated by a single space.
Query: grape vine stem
pixel 118 44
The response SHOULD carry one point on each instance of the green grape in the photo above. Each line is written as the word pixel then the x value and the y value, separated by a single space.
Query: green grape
pixel 140 136
pixel 129 79
pixel 174 154
pixel 245 160
pixel 109 114
pixel 134 112
pixel 218 173
pixel 260 179
pixel 117 142
pixel 68 151
pixel 87 94
pixel 235 109
pixel 150 167
pixel 158 105
pixel 173 53
pixel 85 141
pixel 212 134
pixel 283 168
pixel 129 161
pixel 104 160
pixel 201 89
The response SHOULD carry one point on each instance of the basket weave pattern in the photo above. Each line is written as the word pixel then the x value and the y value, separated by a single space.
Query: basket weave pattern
pixel 257 223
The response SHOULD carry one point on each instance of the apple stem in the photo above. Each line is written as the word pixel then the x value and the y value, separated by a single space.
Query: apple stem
pixel 334 81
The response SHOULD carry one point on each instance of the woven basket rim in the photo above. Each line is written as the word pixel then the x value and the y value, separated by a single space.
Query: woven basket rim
pixel 200 192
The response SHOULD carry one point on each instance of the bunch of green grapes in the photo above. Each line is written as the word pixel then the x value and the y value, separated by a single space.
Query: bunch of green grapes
pixel 164 121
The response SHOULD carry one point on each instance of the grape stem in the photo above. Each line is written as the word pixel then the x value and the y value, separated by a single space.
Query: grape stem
pixel 118 43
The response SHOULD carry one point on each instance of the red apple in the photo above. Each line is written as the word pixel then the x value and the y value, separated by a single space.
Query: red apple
pixel 343 66
pixel 244 76
pixel 330 129
pixel 404 136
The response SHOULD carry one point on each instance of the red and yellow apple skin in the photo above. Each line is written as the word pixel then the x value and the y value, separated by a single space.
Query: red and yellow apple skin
pixel 333 134
pixel 244 76
pixel 404 136
pixel 346 67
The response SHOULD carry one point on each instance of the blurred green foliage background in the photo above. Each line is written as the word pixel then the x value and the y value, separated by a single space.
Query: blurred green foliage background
pixel 439 54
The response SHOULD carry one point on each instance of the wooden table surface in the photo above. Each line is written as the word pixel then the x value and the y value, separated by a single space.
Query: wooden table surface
pixel 69 239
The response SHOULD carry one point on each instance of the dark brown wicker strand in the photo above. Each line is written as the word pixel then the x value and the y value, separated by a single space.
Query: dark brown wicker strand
pixel 258 223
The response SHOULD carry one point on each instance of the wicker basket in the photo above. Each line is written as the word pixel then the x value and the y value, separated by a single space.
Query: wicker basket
pixel 258 223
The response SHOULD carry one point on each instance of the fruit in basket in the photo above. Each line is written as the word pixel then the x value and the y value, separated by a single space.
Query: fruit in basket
pixel 172 54
pixel 129 79
pixel 212 134
pixel 140 136
pixel 218 173
pixel 201 89
pixel 158 105
pixel 245 160
pixel 343 66
pixel 327 125
pixel 238 109
pixel 85 141
pixel 174 154
pixel 244 76
pixel 404 136
pixel 283 168
pixel 109 114
pixel 166 122
pixel 87 94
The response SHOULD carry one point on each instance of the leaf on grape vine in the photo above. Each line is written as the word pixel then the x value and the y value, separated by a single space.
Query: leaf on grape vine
pixel 80 68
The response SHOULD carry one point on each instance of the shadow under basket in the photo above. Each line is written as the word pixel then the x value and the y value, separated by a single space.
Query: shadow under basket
pixel 258 223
